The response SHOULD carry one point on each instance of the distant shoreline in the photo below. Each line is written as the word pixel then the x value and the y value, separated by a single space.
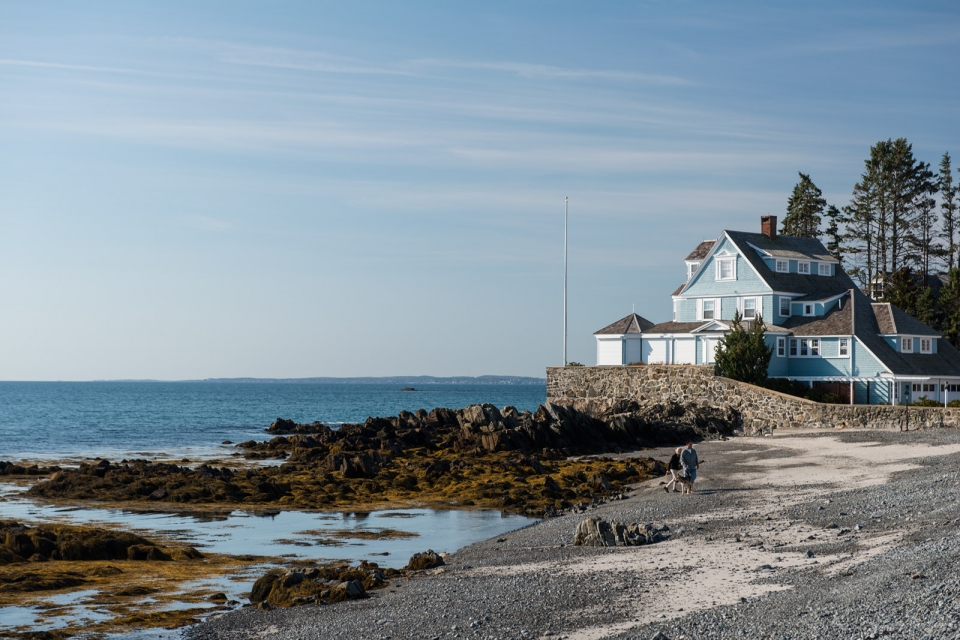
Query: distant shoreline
pixel 404 380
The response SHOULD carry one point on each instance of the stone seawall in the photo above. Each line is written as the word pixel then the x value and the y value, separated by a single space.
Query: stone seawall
pixel 601 390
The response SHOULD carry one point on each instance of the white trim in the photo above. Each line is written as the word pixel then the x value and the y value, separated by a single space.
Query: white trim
pixel 806 262
pixel 757 306
pixel 906 341
pixel 813 309
pixel 840 346
pixel 759 250
pixel 798 343
pixel 781 347
pixel 929 348
pixel 713 251
pixel 786 264
pixel 821 265
pixel 714 325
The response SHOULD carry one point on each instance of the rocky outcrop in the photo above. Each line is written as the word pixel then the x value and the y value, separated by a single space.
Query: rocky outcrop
pixel 334 582
pixel 426 560
pixel 597 532
pixel 46 542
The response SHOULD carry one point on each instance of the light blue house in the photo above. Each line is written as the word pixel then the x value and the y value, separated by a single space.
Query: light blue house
pixel 822 329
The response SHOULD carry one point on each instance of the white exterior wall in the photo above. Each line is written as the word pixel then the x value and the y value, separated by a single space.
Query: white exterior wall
pixel 656 350
pixel 610 350
pixel 685 351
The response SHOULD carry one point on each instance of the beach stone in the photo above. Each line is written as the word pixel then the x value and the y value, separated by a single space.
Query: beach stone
pixel 291 578
pixel 425 560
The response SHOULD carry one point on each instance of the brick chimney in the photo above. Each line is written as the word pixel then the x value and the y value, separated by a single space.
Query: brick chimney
pixel 768 226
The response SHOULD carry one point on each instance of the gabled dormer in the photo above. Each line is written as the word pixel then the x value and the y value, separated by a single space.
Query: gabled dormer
pixel 696 257
pixel 904 333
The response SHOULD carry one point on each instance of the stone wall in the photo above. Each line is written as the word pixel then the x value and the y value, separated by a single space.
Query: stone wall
pixel 598 390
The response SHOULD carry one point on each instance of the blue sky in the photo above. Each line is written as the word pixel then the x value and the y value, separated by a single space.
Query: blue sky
pixel 308 189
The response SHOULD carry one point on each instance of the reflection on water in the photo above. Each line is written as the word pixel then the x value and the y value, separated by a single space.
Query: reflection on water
pixel 386 537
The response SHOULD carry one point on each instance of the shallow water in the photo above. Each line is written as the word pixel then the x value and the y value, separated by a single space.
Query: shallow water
pixel 291 533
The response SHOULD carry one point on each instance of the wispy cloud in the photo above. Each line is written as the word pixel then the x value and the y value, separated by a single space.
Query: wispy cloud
pixel 530 70
pixel 67 67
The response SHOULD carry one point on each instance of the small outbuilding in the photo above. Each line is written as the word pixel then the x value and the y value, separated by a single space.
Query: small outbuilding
pixel 622 342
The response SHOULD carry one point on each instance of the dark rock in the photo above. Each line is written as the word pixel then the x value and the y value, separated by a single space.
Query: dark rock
pixel 426 560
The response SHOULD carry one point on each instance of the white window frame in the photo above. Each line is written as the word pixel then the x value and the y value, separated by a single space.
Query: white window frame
pixel 732 261
pixel 692 268
pixel 843 348
pixel 824 269
pixel 782 265
pixel 925 345
pixel 810 306
pixel 785 299
pixel 756 308
pixel 781 347
pixel 675 310
pixel 906 345
pixel 713 311
pixel 805 348
pixel 803 267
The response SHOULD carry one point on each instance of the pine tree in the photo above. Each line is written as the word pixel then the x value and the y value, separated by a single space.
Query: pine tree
pixel 925 309
pixel 804 209
pixel 744 355
pixel 902 290
pixel 949 302
pixel 836 239
pixel 948 211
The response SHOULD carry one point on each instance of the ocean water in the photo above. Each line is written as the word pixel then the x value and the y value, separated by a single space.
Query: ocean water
pixel 47 420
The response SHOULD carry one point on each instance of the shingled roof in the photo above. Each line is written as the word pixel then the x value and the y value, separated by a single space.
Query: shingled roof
pixel 630 324
pixel 791 282
pixel 892 319
pixel 702 250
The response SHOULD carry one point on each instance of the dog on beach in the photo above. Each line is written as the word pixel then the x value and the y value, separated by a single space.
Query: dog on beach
pixel 685 482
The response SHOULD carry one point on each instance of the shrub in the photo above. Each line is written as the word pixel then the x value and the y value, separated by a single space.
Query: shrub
pixel 744 355
pixel 954 403
pixel 924 402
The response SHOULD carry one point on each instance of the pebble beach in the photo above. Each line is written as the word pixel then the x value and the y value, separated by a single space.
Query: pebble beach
pixel 852 534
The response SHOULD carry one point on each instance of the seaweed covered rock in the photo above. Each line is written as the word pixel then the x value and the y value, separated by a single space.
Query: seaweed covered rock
pixel 17 469
pixel 62 542
pixel 426 560
pixel 334 582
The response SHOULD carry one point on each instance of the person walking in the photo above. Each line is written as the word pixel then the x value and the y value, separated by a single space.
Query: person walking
pixel 673 468
pixel 690 463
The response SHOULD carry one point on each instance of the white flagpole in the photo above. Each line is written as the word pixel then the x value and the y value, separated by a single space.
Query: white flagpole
pixel 565 200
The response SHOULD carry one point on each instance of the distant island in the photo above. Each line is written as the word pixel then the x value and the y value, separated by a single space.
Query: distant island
pixel 404 380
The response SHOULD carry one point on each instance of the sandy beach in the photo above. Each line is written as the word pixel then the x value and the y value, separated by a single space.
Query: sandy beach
pixel 800 535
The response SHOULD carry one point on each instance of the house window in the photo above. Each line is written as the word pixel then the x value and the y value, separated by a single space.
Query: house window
pixel 823 269
pixel 953 388
pixel 925 345
pixel 749 308
pixel 906 345
pixel 781 347
pixel 783 266
pixel 930 388
pixel 726 269
pixel 692 269
pixel 784 306
pixel 844 347
pixel 808 309
pixel 814 347
pixel 803 267
pixel 793 348
pixel 804 349
pixel 916 387
pixel 708 309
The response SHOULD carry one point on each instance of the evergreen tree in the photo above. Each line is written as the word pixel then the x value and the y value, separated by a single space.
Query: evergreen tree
pixel 950 308
pixel 836 239
pixel 902 290
pixel 948 211
pixel 910 183
pixel 804 209
pixel 744 355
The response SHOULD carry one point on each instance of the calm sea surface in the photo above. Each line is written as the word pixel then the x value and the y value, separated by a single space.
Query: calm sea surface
pixel 76 419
